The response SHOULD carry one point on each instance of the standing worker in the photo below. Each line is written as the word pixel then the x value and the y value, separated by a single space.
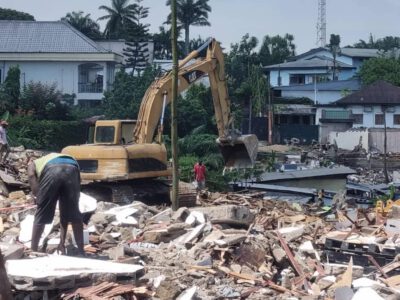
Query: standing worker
pixel 3 141
pixel 200 175
pixel 55 177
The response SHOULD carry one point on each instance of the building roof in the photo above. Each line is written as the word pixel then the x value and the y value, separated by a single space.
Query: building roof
pixel 296 109
pixel 359 52
pixel 313 63
pixel 44 37
pixel 338 85
pixel 380 92
pixel 351 52
pixel 309 52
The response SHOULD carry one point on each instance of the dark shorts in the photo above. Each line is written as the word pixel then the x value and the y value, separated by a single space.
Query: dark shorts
pixel 58 182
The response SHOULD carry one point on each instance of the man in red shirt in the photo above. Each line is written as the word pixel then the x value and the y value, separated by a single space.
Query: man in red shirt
pixel 200 175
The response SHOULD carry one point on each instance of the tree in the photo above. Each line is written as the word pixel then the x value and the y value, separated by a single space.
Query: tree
pixel 137 47
pixel 190 13
pixel 124 100
pixel 275 49
pixel 120 17
pixel 43 102
pixel 10 14
pixel 334 47
pixel 162 44
pixel 380 68
pixel 83 23
pixel 11 89
pixel 193 107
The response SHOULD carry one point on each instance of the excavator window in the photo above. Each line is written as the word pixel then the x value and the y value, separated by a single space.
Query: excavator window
pixel 105 134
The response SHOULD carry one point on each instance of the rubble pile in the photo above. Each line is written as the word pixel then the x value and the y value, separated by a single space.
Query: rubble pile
pixel 230 246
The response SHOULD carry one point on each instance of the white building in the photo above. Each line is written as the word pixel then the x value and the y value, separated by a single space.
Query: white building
pixel 56 53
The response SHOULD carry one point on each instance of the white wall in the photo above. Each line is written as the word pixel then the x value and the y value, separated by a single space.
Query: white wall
pixel 323 97
pixel 369 117
pixel 63 74
pixel 349 139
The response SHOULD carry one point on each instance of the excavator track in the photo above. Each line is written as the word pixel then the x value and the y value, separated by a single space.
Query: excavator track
pixel 152 192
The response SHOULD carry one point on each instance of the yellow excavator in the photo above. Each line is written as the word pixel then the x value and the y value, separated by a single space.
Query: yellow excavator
pixel 119 163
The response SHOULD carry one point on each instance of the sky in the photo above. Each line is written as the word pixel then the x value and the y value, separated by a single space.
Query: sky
pixel 231 19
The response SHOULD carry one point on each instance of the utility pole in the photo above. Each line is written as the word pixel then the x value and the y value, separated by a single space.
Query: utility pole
pixel 174 128
pixel 270 114
pixel 385 170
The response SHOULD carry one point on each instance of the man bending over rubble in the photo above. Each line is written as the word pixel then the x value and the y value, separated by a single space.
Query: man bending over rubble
pixel 56 177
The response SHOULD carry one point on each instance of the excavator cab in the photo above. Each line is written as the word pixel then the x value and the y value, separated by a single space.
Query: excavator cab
pixel 113 132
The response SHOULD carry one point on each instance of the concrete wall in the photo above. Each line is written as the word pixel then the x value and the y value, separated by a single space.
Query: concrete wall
pixel 63 74
pixel 349 139
pixel 369 117
pixel 326 129
pixel 376 139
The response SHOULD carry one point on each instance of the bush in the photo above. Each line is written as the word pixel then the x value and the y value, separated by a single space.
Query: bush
pixel 47 135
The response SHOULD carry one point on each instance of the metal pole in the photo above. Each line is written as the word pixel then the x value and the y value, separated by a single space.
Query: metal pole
pixel 269 113
pixel 174 128
pixel 385 170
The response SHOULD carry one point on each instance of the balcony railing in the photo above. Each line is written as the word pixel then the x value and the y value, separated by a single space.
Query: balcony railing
pixel 90 87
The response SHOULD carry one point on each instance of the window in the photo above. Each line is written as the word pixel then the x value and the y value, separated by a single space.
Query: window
pixel 358 119
pixel 105 134
pixel 379 119
pixel 295 119
pixel 297 79
pixel 396 119
pixel 306 120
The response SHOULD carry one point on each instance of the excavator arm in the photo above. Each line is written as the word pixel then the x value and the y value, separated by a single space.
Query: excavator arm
pixel 238 150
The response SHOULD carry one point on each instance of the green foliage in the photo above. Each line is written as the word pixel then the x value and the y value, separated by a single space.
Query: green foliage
pixel 124 100
pixel 275 49
pixel 190 13
pixel 198 144
pixel 83 23
pixel 137 34
pixel 120 16
pixel 386 43
pixel 11 14
pixel 195 108
pixel 43 102
pixel 381 68
pixel 186 163
pixel 51 135
pixel 10 90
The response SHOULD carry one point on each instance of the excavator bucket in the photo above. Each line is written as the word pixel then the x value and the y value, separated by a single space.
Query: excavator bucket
pixel 239 152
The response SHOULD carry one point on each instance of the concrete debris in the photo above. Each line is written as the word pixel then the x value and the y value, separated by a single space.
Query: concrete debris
pixel 62 272
pixel 246 245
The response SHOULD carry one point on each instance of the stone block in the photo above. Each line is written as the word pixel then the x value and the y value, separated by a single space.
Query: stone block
pixel 12 251
pixel 227 214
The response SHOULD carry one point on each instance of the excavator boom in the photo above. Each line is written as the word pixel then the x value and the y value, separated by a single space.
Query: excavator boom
pixel 238 150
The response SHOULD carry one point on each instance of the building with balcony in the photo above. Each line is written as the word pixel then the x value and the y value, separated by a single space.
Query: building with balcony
pixel 57 54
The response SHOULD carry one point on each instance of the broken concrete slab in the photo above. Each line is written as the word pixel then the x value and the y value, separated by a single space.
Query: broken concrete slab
pixel 11 251
pixel 366 293
pixel 339 269
pixel 227 214
pixel 25 234
pixel 61 272
pixel 190 236
pixel 189 294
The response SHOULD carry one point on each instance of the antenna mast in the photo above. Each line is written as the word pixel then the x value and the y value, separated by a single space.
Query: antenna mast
pixel 321 24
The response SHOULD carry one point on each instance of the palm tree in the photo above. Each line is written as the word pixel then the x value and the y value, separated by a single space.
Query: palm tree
pixel 83 23
pixel 191 13
pixel 120 16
